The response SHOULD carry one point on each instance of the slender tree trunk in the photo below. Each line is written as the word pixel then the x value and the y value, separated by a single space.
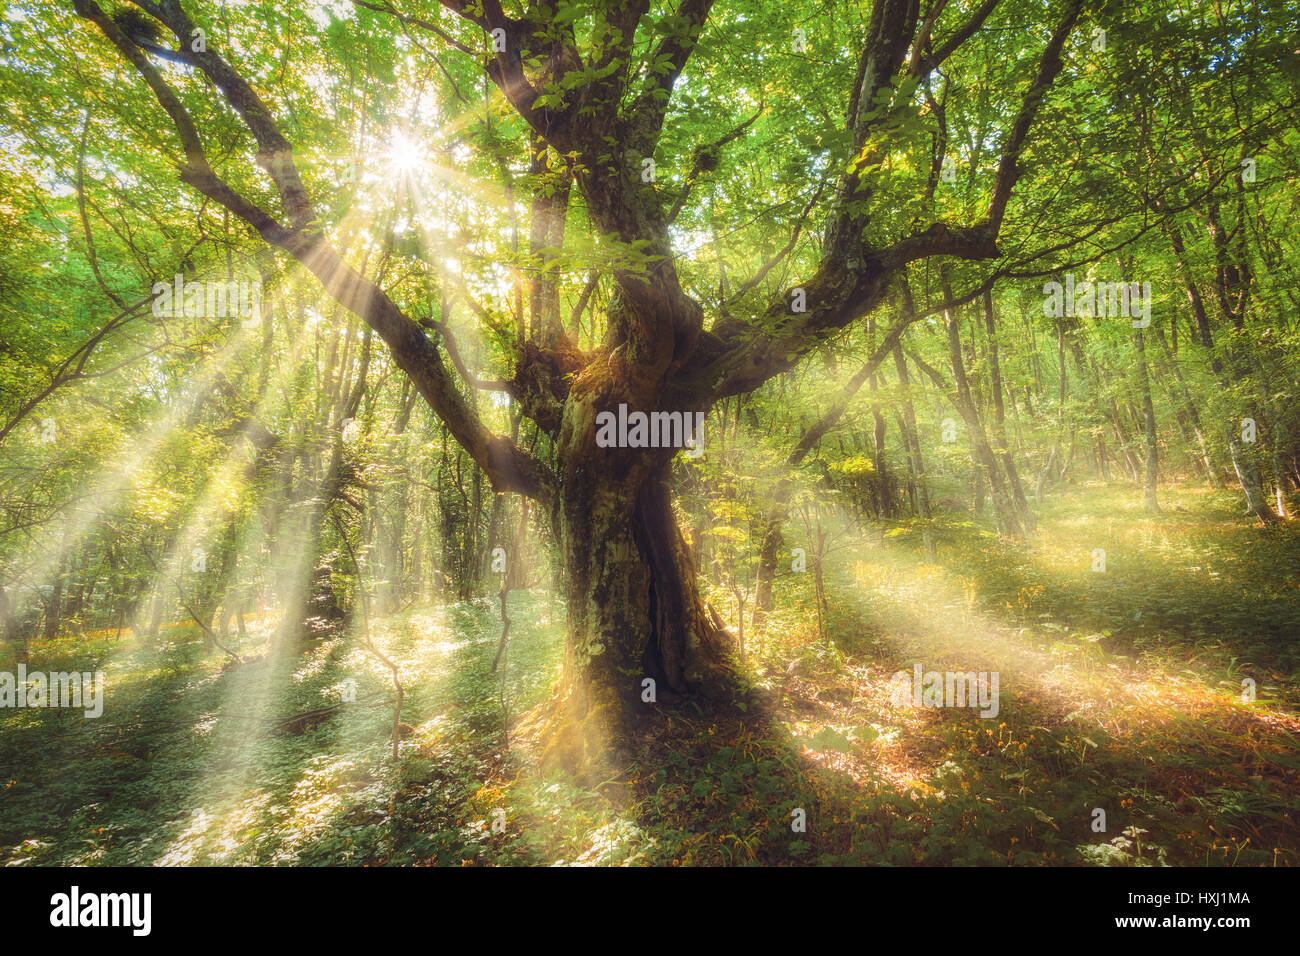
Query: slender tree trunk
pixel 1191 416
pixel 999 416
pixel 911 437
pixel 882 480
pixel 1149 419
pixel 777 512
pixel 1243 464
pixel 1006 513
pixel 54 606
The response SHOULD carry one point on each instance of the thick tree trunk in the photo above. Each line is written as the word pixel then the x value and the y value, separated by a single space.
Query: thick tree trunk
pixel 639 635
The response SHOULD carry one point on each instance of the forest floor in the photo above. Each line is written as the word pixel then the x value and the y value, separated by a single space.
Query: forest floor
pixel 1120 691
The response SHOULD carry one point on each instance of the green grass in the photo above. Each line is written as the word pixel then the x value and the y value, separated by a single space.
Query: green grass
pixel 1119 691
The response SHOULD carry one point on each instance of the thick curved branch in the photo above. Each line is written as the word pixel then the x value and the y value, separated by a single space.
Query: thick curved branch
pixel 737 357
pixel 1048 67
pixel 275 153
pixel 507 466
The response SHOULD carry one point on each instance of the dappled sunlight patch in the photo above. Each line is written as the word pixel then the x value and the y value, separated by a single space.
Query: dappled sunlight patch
pixel 1081 723
pixel 205 725
pixel 316 659
pixel 614 844
pixel 216 835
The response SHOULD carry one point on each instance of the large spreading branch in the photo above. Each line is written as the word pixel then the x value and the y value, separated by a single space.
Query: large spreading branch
pixel 508 467
pixel 852 279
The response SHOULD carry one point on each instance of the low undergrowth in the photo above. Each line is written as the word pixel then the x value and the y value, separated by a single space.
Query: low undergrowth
pixel 1123 693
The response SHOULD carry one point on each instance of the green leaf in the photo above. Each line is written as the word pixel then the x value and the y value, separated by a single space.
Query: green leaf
pixel 828 738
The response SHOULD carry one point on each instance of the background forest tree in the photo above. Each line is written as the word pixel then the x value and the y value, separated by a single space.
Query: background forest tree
pixel 829 226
